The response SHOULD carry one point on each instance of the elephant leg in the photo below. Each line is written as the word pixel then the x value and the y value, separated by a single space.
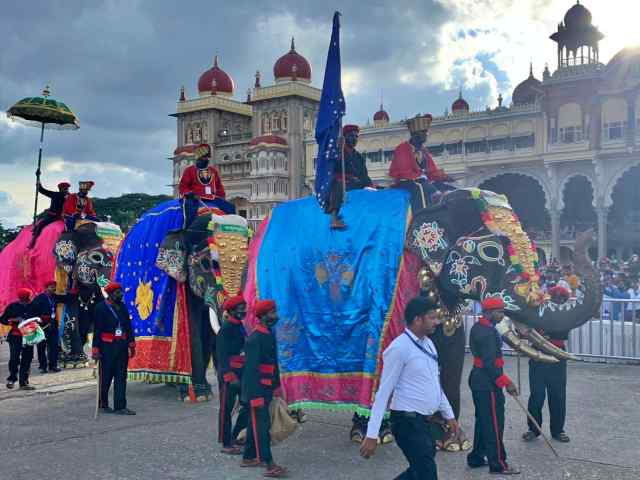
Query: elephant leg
pixel 198 351
pixel 451 356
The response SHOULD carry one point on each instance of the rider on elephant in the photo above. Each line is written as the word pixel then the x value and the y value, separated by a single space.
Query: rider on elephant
pixel 413 168
pixel 199 182
pixel 79 206
pixel 54 212
pixel 355 174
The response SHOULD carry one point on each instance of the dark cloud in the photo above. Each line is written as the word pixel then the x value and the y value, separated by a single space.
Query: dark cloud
pixel 119 65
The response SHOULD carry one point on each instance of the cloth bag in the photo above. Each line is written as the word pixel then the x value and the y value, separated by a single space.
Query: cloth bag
pixel 282 424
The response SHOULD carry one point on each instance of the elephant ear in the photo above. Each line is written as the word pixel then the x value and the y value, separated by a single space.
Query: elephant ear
pixel 427 237
pixel 65 251
pixel 172 256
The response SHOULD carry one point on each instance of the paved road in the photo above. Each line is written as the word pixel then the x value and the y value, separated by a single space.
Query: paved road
pixel 52 432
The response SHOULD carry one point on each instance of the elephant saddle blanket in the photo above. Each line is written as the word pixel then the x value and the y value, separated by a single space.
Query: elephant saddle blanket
pixel 340 294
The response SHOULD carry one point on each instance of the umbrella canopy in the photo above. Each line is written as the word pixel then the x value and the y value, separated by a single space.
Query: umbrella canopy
pixel 39 111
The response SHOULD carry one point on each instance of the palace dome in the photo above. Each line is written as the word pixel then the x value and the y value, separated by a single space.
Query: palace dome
pixel 459 105
pixel 292 65
pixel 224 83
pixel 381 115
pixel 577 16
pixel 528 91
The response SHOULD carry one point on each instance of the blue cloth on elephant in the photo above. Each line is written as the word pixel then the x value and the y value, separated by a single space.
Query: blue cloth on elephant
pixel 149 293
pixel 333 290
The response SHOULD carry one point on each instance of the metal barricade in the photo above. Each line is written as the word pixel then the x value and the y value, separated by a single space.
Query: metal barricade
pixel 614 337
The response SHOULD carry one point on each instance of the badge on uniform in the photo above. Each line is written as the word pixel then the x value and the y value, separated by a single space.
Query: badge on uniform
pixel 207 189
pixel 118 332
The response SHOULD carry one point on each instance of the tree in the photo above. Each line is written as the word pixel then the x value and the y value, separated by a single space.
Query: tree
pixel 7 235
pixel 126 209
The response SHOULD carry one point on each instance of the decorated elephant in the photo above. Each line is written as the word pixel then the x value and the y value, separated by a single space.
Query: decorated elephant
pixel 175 280
pixel 341 294
pixel 84 260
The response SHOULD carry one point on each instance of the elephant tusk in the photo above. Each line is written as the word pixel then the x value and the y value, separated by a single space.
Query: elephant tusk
pixel 536 338
pixel 511 337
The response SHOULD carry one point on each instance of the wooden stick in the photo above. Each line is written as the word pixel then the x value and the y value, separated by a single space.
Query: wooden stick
pixel 95 415
pixel 533 420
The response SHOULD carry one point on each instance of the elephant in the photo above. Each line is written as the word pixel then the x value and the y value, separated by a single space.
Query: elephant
pixel 84 266
pixel 468 246
pixel 175 279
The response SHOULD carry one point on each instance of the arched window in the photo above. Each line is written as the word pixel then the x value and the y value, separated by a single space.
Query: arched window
pixel 266 124
pixel 275 122
pixel 284 120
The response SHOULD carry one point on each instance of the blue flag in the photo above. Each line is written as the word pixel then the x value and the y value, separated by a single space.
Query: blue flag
pixel 329 123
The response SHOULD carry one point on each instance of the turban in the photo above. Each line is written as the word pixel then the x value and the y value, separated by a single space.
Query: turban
pixel 64 185
pixel 350 128
pixel 112 287
pixel 493 303
pixel 49 283
pixel 232 302
pixel 264 306
pixel 86 184
pixel 24 294
pixel 202 150
pixel 559 291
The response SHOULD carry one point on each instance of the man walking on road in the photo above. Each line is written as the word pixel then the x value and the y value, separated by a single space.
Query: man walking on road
pixel 411 374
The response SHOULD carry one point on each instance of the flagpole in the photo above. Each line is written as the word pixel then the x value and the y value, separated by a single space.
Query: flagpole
pixel 344 176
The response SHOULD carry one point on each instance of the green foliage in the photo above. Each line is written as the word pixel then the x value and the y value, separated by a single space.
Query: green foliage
pixel 7 235
pixel 126 209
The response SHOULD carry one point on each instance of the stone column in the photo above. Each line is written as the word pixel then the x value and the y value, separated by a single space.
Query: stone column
pixel 602 213
pixel 555 233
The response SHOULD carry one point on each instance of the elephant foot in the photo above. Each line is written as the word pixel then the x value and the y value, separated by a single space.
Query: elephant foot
pixel 357 434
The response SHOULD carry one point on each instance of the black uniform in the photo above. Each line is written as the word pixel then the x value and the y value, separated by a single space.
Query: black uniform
pixel 486 382
pixel 44 306
pixel 355 176
pixel 549 378
pixel 112 338
pixel 20 356
pixel 54 213
pixel 260 378
pixel 230 362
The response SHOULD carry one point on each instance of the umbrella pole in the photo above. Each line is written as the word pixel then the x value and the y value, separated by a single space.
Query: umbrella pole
pixel 35 207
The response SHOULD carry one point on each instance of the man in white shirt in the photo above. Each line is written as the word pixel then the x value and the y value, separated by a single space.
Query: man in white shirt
pixel 411 374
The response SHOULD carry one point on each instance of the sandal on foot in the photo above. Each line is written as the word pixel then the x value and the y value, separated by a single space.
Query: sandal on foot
pixel 529 436
pixel 276 471
pixel 231 450
pixel 252 463
pixel 507 471
pixel 562 437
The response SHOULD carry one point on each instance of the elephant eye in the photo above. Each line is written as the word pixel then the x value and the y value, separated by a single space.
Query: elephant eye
pixel 96 257
pixel 205 263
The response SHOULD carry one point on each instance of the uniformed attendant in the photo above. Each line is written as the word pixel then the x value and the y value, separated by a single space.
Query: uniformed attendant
pixel 260 378
pixel 229 353
pixel 44 307
pixel 20 355
pixel 113 344
pixel 549 378
pixel 54 212
pixel 486 381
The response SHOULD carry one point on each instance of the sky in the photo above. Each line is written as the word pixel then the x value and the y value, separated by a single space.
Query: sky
pixel 119 64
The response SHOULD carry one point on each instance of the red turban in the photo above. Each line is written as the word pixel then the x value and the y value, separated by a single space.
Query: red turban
pixel 24 294
pixel 350 128
pixel 232 302
pixel 559 291
pixel 112 287
pixel 64 185
pixel 202 150
pixel 493 303
pixel 264 306
pixel 86 184
pixel 49 283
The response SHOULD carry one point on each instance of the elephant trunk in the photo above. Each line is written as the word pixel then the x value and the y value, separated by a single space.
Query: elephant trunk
pixel 553 317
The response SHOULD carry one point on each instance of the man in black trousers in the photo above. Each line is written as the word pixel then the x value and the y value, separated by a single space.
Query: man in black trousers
pixel 20 355
pixel 113 344
pixel 260 378
pixel 549 378
pixel 487 379
pixel 411 379
pixel 44 307
pixel 229 353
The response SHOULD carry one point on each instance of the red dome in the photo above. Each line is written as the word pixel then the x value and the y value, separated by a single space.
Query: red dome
pixel 460 105
pixel 224 83
pixel 381 115
pixel 268 140
pixel 292 65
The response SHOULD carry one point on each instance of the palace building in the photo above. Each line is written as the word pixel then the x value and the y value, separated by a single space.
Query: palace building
pixel 566 151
